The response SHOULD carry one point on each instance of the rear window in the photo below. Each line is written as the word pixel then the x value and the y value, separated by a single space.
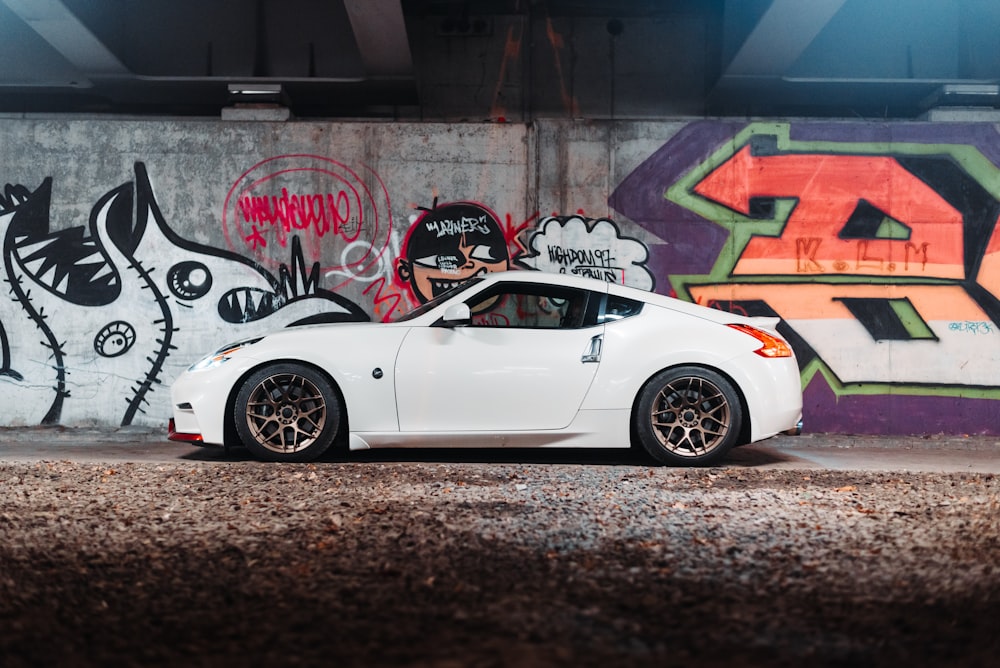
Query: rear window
pixel 617 308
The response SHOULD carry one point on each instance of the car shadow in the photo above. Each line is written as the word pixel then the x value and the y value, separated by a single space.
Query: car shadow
pixel 758 455
pixel 602 456
pixel 743 457
pixel 597 456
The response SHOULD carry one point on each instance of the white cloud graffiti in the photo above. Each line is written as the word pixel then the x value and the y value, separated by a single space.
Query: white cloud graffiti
pixel 588 247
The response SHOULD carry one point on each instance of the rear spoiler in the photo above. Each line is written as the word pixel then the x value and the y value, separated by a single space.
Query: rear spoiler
pixel 768 324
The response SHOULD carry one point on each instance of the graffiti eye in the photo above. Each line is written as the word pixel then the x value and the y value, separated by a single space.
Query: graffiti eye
pixel 114 339
pixel 448 262
pixel 483 254
pixel 442 262
pixel 430 261
pixel 189 280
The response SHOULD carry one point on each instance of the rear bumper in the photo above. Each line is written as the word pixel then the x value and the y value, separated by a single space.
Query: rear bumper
pixel 794 431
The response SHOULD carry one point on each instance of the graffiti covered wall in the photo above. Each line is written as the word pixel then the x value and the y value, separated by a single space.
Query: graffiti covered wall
pixel 131 248
pixel 876 244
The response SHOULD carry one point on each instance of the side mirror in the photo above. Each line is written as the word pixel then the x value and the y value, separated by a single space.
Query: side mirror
pixel 457 314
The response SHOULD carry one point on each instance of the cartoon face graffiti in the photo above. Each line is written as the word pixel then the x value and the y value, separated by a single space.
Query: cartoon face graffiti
pixel 450 244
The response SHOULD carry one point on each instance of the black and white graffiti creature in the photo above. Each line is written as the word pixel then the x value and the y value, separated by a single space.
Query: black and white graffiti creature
pixel 96 320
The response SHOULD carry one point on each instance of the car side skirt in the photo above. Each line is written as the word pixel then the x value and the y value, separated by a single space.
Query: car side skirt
pixel 590 429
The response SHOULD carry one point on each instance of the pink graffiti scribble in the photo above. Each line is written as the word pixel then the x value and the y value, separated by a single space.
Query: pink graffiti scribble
pixel 322 213
pixel 329 206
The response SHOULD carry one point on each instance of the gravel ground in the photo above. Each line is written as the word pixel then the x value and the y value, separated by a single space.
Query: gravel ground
pixel 475 564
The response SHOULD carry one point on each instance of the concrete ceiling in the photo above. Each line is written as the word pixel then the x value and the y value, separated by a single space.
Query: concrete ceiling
pixel 874 57
pixel 354 57
pixel 178 56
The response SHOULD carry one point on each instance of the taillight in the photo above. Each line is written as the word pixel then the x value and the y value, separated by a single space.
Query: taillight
pixel 773 346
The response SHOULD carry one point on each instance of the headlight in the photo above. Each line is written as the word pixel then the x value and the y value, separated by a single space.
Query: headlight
pixel 221 355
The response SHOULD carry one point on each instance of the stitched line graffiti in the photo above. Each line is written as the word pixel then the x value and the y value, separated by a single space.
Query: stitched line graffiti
pixel 123 303
pixel 875 255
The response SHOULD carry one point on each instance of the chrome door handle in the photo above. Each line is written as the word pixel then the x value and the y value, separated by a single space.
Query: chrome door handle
pixel 593 351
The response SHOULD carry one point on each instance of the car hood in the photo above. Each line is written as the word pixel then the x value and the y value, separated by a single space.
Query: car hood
pixel 333 328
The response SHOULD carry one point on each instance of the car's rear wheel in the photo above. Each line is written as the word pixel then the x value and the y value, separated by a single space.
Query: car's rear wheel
pixel 287 413
pixel 688 416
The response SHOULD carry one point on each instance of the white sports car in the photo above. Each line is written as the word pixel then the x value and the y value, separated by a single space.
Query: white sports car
pixel 509 359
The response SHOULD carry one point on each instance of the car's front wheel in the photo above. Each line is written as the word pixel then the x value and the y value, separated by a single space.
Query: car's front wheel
pixel 287 413
pixel 688 416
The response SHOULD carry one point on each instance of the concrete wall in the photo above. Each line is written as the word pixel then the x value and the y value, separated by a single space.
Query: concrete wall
pixel 133 247
pixel 650 66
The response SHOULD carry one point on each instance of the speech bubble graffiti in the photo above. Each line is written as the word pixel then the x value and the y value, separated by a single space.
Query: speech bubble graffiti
pixel 588 247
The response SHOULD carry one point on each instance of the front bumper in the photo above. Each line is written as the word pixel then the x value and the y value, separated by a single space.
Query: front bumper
pixel 199 398
pixel 182 436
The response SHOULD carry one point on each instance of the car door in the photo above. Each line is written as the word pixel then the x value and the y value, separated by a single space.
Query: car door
pixel 524 362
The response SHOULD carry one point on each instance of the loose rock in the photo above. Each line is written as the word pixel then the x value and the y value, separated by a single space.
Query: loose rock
pixel 427 564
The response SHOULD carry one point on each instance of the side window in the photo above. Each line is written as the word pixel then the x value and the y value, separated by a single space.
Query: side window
pixel 531 306
pixel 620 307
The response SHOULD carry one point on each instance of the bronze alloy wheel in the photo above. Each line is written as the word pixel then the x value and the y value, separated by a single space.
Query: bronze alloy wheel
pixel 287 412
pixel 688 416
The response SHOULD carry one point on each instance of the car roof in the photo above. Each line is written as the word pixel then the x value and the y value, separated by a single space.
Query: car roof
pixel 568 280
pixel 597 285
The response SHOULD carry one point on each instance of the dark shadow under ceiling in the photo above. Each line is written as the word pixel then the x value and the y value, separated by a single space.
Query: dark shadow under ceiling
pixel 378 58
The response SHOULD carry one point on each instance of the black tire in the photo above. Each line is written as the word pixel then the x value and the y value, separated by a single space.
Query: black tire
pixel 287 413
pixel 688 416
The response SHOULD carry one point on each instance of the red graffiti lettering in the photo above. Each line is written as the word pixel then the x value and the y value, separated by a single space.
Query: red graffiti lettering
pixel 721 306
pixel 512 234
pixel 917 253
pixel 341 216
pixel 322 213
pixel 828 190
pixel 256 239
pixel 381 297
pixel 805 255
pixel 491 320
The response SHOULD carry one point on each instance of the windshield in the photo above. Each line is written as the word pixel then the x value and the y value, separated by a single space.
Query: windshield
pixel 437 301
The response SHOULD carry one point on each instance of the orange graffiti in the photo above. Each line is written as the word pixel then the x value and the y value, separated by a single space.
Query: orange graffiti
pixel 828 190
pixel 816 301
